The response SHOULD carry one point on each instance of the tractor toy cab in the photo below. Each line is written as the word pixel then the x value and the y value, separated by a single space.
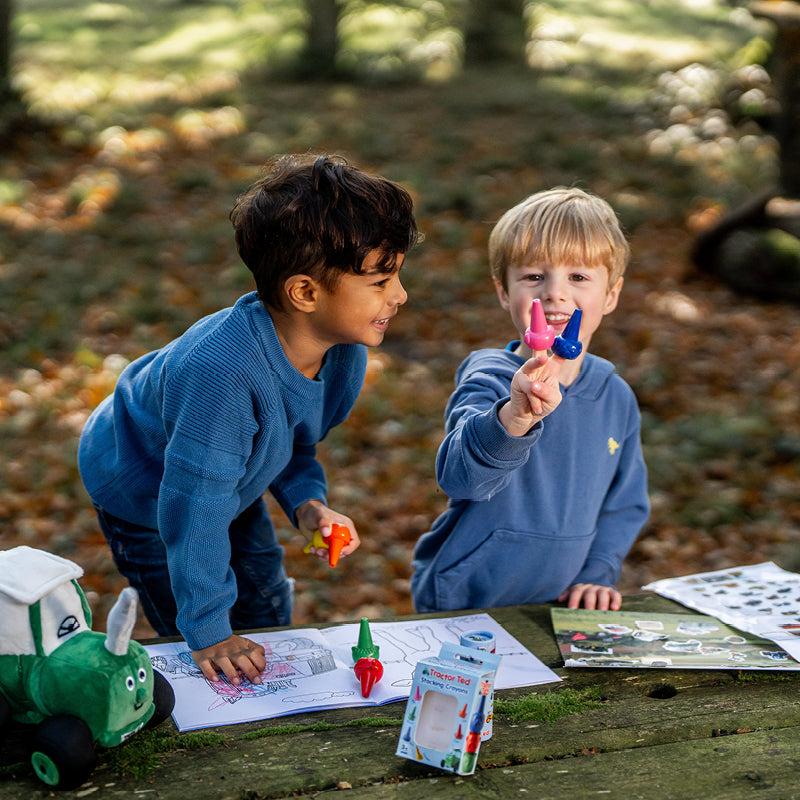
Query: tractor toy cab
pixel 79 686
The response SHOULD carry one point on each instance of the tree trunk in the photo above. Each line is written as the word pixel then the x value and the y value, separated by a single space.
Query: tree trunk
pixel 6 14
pixel 785 73
pixel 494 31
pixel 322 34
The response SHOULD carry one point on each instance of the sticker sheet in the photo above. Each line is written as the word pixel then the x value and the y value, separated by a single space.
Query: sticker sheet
pixel 661 641
pixel 762 599
pixel 310 669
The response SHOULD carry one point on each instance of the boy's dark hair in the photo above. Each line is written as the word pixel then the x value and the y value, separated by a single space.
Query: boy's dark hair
pixel 318 216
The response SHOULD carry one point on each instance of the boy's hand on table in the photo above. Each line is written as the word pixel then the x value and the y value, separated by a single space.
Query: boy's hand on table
pixel 232 656
pixel 316 516
pixel 593 596
pixel 534 394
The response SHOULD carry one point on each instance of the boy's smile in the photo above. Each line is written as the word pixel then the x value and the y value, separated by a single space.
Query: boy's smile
pixel 356 311
pixel 561 288
pixel 359 309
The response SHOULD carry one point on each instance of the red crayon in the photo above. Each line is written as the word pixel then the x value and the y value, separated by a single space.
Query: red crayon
pixel 473 740
pixel 369 671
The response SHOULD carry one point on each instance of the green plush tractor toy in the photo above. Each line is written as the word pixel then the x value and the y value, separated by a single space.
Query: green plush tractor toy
pixel 79 686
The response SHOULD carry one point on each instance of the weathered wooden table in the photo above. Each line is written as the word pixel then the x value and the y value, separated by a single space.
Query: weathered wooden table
pixel 657 734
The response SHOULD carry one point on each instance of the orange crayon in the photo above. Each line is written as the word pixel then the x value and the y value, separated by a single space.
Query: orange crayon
pixel 338 538
pixel 335 541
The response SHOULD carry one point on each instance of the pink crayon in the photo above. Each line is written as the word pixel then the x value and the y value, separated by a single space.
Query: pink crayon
pixel 567 345
pixel 539 337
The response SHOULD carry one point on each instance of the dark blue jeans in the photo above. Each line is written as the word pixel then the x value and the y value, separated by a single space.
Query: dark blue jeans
pixel 264 592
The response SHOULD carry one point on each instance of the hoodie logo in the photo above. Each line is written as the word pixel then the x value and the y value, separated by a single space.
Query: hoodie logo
pixel 613 446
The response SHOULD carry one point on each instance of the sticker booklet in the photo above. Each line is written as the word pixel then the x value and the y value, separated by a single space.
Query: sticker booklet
pixel 762 599
pixel 310 669
pixel 636 639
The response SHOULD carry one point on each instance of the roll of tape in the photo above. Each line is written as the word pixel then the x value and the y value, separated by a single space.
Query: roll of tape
pixel 479 640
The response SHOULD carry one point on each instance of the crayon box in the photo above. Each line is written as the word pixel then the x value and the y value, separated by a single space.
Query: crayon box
pixel 447 708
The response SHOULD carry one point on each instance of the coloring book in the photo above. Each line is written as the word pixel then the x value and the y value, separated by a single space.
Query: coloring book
pixel 762 599
pixel 660 641
pixel 310 669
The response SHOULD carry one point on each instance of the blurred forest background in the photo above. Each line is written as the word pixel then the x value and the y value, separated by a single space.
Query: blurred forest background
pixel 128 129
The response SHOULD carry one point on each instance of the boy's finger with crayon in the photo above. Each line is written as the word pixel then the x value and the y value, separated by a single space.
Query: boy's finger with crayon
pixel 543 391
pixel 319 523
pixel 535 392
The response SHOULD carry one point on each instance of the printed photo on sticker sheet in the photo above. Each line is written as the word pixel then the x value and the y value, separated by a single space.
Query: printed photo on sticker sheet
pixel 690 628
pixel 598 649
pixel 690 646
pixel 713 650
pixel 775 655
pixel 735 639
pixel 736 656
pixel 617 630
pixel 649 636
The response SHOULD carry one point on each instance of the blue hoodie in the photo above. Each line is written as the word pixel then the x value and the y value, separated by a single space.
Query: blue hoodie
pixel 529 516
pixel 196 432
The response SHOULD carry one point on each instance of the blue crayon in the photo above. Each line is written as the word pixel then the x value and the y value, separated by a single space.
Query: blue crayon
pixel 482 640
pixel 567 345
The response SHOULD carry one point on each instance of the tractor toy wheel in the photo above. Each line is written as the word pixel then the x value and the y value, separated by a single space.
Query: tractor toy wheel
pixel 5 712
pixel 163 698
pixel 63 752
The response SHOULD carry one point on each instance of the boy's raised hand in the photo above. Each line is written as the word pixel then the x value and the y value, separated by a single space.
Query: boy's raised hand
pixel 534 394
pixel 232 656
pixel 316 516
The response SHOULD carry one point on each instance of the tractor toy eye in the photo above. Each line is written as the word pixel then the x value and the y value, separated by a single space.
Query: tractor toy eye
pixel 142 675
pixel 130 683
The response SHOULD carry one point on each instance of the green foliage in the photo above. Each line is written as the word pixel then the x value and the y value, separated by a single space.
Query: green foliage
pixel 756 51
pixel 744 676
pixel 783 245
pixel 550 706
pixel 11 771
pixel 87 56
pixel 12 191
pixel 280 730
pixel 142 754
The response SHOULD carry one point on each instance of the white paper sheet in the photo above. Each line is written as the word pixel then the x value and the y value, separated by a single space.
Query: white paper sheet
pixel 762 599
pixel 311 670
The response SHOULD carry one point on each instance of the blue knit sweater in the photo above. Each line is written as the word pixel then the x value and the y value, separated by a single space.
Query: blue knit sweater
pixel 196 432
pixel 529 516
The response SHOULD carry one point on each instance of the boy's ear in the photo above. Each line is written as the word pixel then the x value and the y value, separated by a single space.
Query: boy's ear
pixel 612 298
pixel 302 291
pixel 502 294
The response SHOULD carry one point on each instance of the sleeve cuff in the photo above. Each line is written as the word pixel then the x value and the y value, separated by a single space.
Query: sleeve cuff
pixel 497 442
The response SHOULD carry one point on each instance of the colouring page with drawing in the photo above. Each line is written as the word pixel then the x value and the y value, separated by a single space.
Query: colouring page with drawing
pixel 310 669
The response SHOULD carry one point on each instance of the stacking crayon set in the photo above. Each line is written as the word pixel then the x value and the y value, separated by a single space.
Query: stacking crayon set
pixel 366 666
pixel 447 708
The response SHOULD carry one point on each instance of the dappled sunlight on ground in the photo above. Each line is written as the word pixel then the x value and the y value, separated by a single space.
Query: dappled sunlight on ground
pixel 116 238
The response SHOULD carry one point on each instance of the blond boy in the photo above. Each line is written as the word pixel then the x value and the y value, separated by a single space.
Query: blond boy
pixel 542 459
